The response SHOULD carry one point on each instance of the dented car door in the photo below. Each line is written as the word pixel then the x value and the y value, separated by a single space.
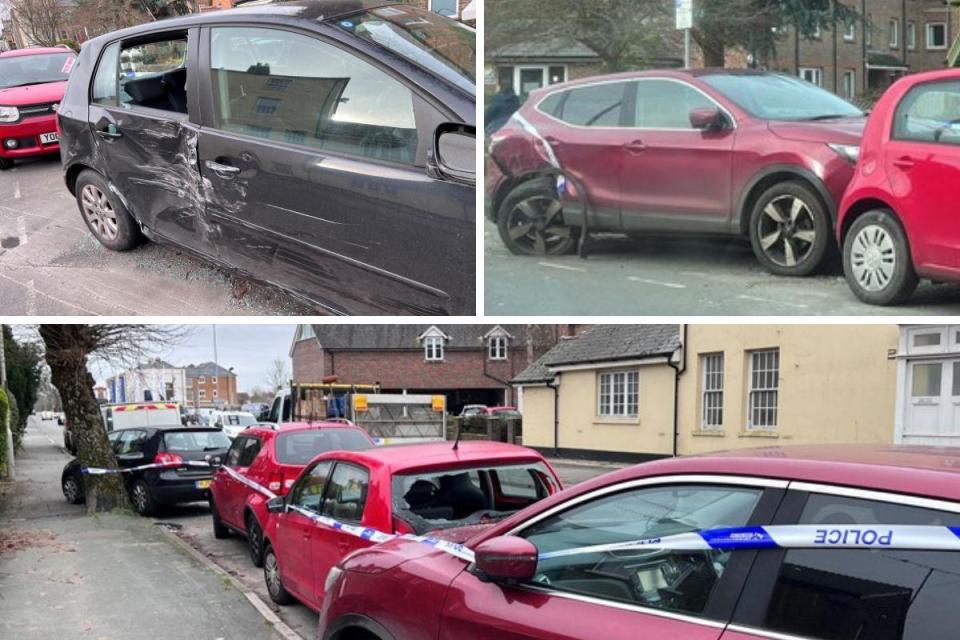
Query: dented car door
pixel 314 165
pixel 146 133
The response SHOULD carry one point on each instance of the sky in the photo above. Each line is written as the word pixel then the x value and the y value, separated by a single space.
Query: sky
pixel 249 349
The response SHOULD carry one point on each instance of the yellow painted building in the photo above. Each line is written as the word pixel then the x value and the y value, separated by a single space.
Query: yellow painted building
pixel 614 386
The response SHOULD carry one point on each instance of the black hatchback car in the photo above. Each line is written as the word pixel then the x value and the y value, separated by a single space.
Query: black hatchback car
pixel 324 146
pixel 152 488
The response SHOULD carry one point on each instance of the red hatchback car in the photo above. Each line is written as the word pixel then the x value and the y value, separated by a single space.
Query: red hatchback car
pixel 32 82
pixel 738 152
pixel 413 489
pixel 272 459
pixel 898 219
pixel 403 590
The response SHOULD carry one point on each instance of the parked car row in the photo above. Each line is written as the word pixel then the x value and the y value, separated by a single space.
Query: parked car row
pixel 739 152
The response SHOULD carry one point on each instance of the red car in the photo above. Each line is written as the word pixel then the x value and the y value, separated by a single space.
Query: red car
pixel 898 219
pixel 410 591
pixel 734 152
pixel 413 489
pixel 272 459
pixel 32 82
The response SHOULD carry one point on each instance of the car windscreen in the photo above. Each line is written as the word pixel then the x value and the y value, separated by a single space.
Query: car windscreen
pixel 195 440
pixel 447 498
pixel 443 46
pixel 781 97
pixel 40 68
pixel 300 447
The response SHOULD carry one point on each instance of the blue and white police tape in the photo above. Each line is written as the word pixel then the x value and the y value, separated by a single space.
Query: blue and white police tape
pixel 97 471
pixel 242 479
pixel 809 536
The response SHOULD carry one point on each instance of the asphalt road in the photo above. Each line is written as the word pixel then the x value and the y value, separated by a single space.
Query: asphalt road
pixel 675 276
pixel 51 265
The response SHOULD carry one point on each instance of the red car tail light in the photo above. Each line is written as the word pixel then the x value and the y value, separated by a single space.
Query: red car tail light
pixel 167 458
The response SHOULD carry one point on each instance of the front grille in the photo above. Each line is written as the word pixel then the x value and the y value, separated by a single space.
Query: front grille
pixel 34 110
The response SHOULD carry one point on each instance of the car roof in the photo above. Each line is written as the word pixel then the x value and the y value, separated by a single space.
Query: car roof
pixel 655 73
pixel 288 427
pixel 917 470
pixel 409 457
pixel 16 53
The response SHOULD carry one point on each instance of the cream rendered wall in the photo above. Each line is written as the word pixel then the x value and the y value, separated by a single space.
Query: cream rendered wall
pixel 836 384
pixel 582 428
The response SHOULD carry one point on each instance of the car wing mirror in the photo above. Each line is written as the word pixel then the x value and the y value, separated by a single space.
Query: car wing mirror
pixel 707 119
pixel 276 505
pixel 454 154
pixel 506 559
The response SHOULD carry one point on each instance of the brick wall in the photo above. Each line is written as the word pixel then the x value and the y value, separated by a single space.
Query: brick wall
pixel 308 363
pixel 202 392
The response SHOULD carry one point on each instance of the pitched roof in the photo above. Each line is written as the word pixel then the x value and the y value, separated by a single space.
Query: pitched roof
pixel 156 363
pixel 404 336
pixel 549 47
pixel 605 343
pixel 207 369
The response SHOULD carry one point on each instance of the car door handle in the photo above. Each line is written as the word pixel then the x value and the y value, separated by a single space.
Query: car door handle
pixel 904 162
pixel 109 135
pixel 635 147
pixel 221 168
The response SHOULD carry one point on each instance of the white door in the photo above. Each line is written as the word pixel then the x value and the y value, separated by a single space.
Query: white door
pixel 933 403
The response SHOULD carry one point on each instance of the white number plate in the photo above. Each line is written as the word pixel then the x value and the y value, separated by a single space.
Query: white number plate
pixel 48 138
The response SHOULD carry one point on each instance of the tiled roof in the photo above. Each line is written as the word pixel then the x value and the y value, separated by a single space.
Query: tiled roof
pixel 206 369
pixel 403 336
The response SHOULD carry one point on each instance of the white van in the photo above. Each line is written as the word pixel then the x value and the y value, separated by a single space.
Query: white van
pixel 232 422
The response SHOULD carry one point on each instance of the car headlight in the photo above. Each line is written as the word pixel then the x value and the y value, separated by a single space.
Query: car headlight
pixel 9 114
pixel 332 577
pixel 849 152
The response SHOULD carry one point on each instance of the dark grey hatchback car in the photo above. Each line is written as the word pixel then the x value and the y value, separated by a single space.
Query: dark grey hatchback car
pixel 323 146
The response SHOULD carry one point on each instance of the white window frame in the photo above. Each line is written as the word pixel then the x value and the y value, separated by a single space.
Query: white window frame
pixel 940 347
pixel 201 379
pixel 893 33
pixel 911 35
pixel 816 72
pixel 213 380
pixel 754 391
pixel 618 394
pixel 816 32
pixel 711 391
pixel 850 83
pixel 216 394
pixel 497 347
pixel 203 394
pixel 946 36
pixel 850 33
pixel 433 349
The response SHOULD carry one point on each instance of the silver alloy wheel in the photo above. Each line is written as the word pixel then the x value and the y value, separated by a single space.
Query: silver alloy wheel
pixel 873 258
pixel 71 490
pixel 533 225
pixel 787 230
pixel 140 497
pixel 99 212
pixel 272 573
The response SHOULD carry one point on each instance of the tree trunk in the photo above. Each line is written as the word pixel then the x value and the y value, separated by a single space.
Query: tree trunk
pixel 68 367
pixel 714 55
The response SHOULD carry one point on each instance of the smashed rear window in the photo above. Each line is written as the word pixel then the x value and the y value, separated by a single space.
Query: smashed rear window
pixel 456 497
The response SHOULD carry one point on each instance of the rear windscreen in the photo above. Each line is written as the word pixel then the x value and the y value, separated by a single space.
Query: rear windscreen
pixel 195 440
pixel 300 447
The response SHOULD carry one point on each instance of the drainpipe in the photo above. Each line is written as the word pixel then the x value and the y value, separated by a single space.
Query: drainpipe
pixel 677 372
pixel 555 385
pixel 506 384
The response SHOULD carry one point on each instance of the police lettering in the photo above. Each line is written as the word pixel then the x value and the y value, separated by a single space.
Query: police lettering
pixel 849 536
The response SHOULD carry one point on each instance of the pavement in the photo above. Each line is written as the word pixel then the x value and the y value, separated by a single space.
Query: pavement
pixel 50 264
pixel 685 276
pixel 65 575
pixel 107 577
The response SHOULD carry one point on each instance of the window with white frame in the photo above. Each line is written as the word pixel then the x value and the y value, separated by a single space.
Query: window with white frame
pixel 893 33
pixel 813 75
pixel 216 394
pixel 213 379
pixel 202 379
pixel 203 394
pixel 936 35
pixel 911 35
pixel 497 347
pixel 849 84
pixel 868 30
pixel 764 389
pixel 712 394
pixel 850 31
pixel 619 394
pixel 433 348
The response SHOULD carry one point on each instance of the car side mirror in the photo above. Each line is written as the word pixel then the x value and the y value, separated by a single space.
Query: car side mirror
pixel 707 119
pixel 276 505
pixel 506 559
pixel 455 152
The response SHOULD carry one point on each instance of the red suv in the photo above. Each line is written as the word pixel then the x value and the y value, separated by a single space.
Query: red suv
pixel 271 459
pixel 737 152
pixel 898 219
pixel 413 489
pixel 32 82
pixel 406 589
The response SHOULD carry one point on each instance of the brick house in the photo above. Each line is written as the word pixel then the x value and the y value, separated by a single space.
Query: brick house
pixel 470 364
pixel 860 60
pixel 210 385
